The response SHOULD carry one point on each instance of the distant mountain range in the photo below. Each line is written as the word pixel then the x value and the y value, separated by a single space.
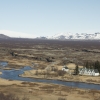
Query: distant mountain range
pixel 2 36
pixel 64 36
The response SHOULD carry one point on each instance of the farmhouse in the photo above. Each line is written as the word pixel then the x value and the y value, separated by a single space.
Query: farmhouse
pixel 86 71
pixel 65 68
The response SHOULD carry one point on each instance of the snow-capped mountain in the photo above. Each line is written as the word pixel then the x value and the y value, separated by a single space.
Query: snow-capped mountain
pixel 69 35
pixel 64 36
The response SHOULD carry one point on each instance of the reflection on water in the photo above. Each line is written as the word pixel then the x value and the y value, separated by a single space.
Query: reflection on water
pixel 13 75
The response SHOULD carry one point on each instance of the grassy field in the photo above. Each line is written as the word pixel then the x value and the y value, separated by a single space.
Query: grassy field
pixel 40 91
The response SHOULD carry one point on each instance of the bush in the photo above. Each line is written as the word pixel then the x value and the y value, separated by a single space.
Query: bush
pixel 54 69
pixel 62 99
pixel 61 72
pixel 36 73
pixel 11 97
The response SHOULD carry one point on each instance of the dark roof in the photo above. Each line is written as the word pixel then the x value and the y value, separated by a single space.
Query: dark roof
pixel 96 71
pixel 83 69
pixel 65 67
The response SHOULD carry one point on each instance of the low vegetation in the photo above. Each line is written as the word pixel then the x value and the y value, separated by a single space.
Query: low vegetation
pixel 61 98
pixel 61 73
pixel 11 97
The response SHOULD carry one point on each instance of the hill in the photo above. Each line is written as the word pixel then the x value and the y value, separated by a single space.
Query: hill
pixel 2 36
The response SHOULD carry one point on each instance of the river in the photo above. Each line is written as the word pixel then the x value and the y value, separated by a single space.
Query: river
pixel 14 75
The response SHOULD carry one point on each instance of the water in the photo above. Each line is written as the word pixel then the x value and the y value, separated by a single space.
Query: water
pixel 3 64
pixel 14 75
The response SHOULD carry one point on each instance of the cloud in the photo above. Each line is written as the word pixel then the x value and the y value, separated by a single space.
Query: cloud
pixel 17 34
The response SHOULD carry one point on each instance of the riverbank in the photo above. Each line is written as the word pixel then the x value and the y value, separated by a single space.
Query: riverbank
pixel 19 63
pixel 9 82
pixel 43 91
pixel 67 77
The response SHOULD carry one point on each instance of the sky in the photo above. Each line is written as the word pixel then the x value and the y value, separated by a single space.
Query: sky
pixel 32 18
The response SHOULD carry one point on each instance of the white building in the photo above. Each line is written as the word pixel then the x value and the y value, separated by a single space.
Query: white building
pixel 91 72
pixel 65 68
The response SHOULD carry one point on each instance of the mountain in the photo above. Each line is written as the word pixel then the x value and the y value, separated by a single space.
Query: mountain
pixel 2 36
pixel 64 36
pixel 42 37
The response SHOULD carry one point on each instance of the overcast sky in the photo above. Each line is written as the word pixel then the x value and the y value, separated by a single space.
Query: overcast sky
pixel 31 18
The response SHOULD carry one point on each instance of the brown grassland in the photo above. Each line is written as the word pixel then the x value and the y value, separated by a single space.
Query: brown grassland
pixel 48 57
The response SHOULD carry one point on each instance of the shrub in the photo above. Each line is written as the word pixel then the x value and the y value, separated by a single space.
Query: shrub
pixel 36 73
pixel 11 97
pixel 62 99
pixel 61 72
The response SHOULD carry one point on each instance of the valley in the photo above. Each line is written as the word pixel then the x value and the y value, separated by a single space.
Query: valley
pixel 48 57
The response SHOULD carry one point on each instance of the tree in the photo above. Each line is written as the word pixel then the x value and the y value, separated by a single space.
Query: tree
pixel 76 70
pixel 87 64
pixel 97 65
